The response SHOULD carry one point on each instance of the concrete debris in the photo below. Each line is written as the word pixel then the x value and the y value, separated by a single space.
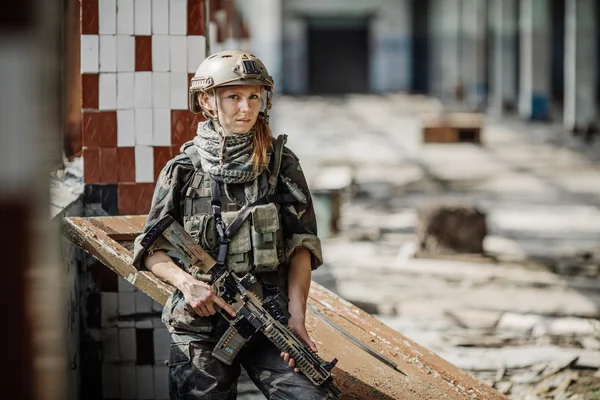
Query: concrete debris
pixel 451 228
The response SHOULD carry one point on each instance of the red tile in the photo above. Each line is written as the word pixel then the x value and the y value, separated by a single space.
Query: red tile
pixel 109 168
pixel 108 127
pixel 89 131
pixel 195 22
pixel 99 129
pixel 91 165
pixel 161 156
pixel 126 164
pixel 89 17
pixel 143 53
pixel 180 126
pixel 144 197
pixel 127 198
pixel 89 91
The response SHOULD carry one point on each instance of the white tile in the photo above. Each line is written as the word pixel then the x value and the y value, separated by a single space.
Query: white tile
pixel 161 91
pixel 161 382
pixel 143 17
pixel 108 53
pixel 123 284
pixel 144 165
pixel 125 17
pixel 111 381
pixel 126 304
pixel 143 130
pixel 179 90
pixel 195 51
pixel 110 344
pixel 107 17
pixel 160 53
pixel 107 91
pixel 143 303
pixel 126 136
pixel 145 382
pixel 178 48
pixel 162 127
pixel 89 53
pixel 109 307
pixel 143 89
pixel 128 382
pixel 127 345
pixel 160 17
pixel 125 53
pixel 178 17
pixel 162 340
pixel 125 90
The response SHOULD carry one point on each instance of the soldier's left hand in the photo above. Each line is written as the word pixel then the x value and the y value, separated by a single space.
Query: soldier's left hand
pixel 299 327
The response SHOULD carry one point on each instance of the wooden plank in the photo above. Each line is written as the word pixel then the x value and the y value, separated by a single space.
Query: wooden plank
pixel 108 251
pixel 120 227
pixel 358 374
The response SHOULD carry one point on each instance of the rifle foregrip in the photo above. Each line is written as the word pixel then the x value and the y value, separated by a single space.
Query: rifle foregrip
pixel 309 363
pixel 229 346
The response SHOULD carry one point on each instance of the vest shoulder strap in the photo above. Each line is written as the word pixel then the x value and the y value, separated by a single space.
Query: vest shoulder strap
pixel 277 154
pixel 192 152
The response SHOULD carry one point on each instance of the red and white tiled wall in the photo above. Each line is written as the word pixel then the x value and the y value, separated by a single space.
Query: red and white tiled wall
pixel 137 58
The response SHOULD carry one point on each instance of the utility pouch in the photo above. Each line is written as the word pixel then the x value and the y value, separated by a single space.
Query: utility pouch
pixel 265 223
pixel 203 229
pixel 238 252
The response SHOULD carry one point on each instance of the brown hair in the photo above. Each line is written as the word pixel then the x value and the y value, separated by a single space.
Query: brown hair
pixel 262 141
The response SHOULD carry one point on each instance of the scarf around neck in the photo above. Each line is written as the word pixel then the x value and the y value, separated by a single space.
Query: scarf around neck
pixel 228 159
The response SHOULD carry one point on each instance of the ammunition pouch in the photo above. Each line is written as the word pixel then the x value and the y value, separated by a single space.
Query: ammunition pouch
pixel 265 224
pixel 240 246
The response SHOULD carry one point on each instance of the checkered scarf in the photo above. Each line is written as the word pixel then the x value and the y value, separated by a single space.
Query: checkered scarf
pixel 228 159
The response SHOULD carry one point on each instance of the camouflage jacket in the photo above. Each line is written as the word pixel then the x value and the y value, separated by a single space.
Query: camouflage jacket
pixel 169 194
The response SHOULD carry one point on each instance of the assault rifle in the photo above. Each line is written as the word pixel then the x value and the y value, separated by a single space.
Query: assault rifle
pixel 269 316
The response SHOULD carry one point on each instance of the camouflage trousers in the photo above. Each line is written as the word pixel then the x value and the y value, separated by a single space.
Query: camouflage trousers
pixel 195 374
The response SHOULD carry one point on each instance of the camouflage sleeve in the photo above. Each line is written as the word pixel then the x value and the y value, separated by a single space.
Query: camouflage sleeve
pixel 165 200
pixel 300 221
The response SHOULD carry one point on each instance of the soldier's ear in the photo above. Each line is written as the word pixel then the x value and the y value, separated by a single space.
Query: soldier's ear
pixel 206 101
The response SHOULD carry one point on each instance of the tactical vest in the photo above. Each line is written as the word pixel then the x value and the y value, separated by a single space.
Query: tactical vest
pixel 258 244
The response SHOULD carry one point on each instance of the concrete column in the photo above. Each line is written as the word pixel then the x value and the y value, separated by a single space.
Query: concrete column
pixel 390 57
pixel 503 77
pixel 472 52
pixel 444 67
pixel 580 64
pixel 535 61
pixel 264 18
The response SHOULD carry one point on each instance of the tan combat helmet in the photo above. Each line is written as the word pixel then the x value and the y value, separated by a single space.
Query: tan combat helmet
pixel 228 68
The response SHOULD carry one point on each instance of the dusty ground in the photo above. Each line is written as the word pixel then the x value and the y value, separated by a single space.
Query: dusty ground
pixel 517 317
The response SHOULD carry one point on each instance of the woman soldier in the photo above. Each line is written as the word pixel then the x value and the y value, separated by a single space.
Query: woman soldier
pixel 234 161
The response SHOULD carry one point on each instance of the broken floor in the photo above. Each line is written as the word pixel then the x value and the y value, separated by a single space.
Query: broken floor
pixel 518 318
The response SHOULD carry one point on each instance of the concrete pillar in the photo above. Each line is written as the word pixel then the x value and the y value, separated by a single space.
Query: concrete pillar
pixel 535 61
pixel 472 52
pixel 580 64
pixel 264 18
pixel 391 56
pixel 444 67
pixel 503 73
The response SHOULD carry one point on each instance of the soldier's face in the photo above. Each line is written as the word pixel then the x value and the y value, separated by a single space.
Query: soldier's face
pixel 238 107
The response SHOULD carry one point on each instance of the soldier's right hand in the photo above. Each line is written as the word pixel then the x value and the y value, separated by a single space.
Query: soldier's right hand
pixel 200 297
